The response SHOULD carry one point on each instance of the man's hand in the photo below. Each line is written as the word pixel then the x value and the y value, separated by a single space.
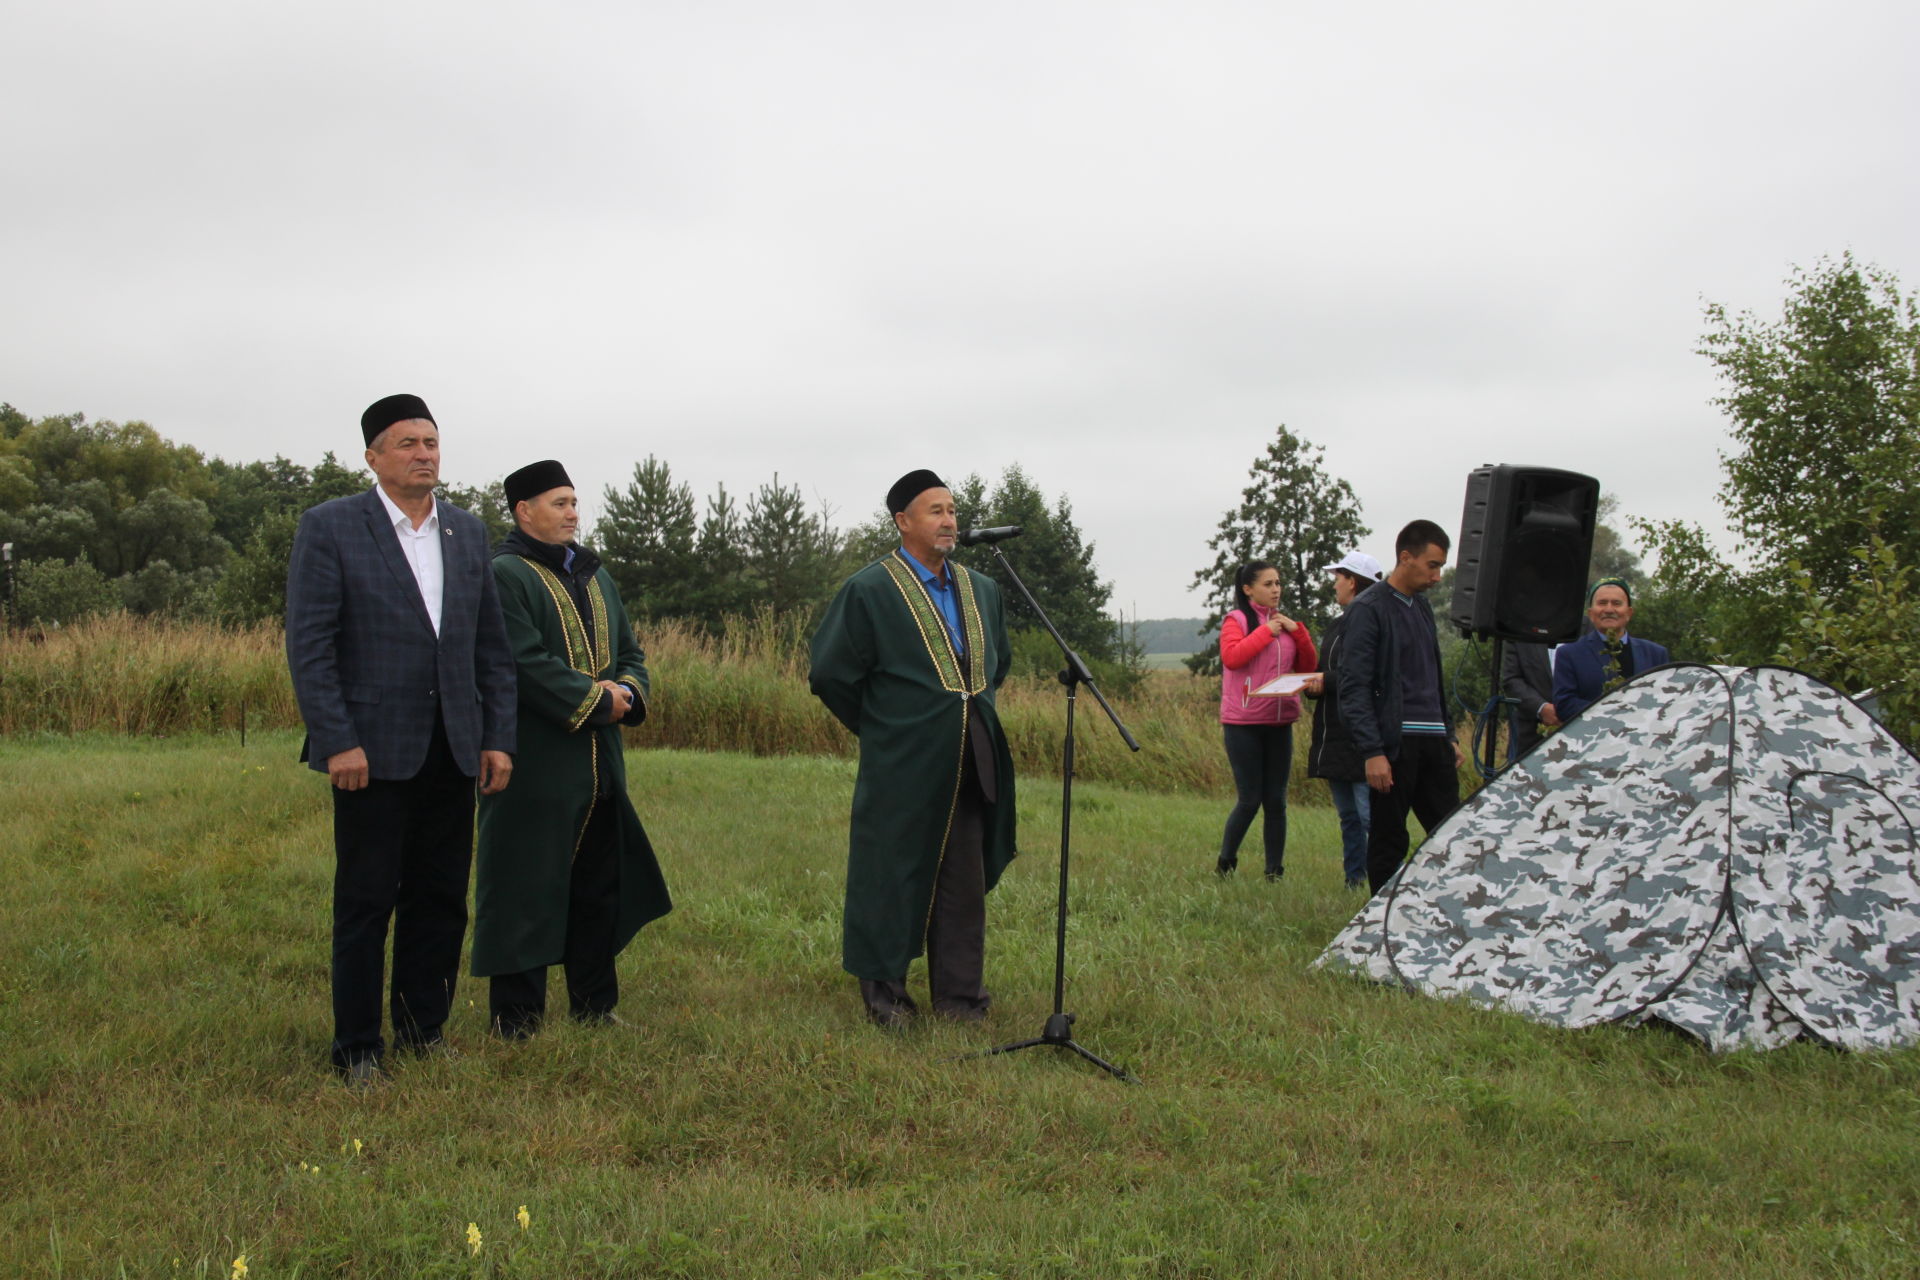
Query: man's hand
pixel 495 768
pixel 1548 716
pixel 348 770
pixel 1380 773
pixel 1459 756
pixel 1316 685
pixel 622 698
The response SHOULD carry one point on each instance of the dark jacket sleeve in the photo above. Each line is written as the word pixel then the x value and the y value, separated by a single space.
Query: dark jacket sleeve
pixel 629 660
pixel 1567 702
pixel 1518 683
pixel 1359 656
pixel 1439 669
pixel 494 673
pixel 841 656
pixel 314 595
pixel 995 618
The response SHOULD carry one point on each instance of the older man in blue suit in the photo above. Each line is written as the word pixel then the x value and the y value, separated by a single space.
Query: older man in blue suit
pixel 406 683
pixel 1606 657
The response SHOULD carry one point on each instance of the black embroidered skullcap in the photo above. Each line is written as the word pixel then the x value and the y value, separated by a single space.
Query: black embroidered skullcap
pixel 910 486
pixel 533 480
pixel 1621 583
pixel 383 413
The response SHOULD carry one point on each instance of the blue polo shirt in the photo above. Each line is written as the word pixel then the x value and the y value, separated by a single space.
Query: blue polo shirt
pixel 940 588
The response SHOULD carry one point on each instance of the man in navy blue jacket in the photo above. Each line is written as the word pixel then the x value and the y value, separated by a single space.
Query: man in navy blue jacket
pixel 1606 657
pixel 1395 707
pixel 407 686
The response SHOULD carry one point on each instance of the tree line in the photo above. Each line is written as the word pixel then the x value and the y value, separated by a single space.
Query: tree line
pixel 107 516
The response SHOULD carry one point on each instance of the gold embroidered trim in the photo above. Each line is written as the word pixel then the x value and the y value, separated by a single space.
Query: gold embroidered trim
pixel 933 630
pixel 582 654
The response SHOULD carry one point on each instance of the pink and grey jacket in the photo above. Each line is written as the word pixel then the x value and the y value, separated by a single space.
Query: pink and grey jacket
pixel 1251 661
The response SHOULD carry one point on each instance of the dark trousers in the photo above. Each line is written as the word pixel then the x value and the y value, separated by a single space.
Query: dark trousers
pixel 1425 784
pixel 1261 757
pixel 957 925
pixel 402 850
pixel 518 1001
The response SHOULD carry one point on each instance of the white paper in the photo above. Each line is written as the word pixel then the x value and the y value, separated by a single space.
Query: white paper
pixel 1293 682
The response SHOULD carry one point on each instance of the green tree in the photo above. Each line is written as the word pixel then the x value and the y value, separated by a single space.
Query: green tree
pixel 55 593
pixel 1294 513
pixel 791 553
pixel 1824 406
pixel 1051 556
pixel 1612 557
pixel 254 587
pixel 487 503
pixel 1873 644
pixel 647 534
pixel 1825 413
pixel 119 495
pixel 724 590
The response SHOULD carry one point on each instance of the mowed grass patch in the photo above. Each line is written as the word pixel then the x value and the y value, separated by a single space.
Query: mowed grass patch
pixel 164 1018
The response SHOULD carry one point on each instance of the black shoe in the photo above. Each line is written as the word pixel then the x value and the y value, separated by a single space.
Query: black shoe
pixel 1224 868
pixel 1273 874
pixel 888 1004
pixel 601 1018
pixel 365 1073
pixel 434 1048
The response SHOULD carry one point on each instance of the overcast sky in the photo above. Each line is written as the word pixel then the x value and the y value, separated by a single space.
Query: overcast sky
pixel 1113 243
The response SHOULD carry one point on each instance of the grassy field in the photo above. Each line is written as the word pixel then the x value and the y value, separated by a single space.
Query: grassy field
pixel 164 1017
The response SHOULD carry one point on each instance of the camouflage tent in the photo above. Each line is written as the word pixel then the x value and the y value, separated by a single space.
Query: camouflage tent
pixel 1729 850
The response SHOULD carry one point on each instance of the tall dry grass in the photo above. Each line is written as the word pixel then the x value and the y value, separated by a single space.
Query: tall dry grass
pixel 742 690
pixel 125 674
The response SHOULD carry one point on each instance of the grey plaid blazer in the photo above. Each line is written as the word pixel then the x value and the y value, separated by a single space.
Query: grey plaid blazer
pixel 368 670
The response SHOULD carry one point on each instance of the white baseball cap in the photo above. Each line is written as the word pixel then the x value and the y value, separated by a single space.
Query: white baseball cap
pixel 1360 565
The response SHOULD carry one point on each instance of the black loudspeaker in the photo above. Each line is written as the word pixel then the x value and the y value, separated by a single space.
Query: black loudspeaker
pixel 1526 538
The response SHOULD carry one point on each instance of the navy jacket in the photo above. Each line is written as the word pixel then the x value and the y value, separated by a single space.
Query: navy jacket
pixel 1369 680
pixel 1330 752
pixel 1579 670
pixel 368 670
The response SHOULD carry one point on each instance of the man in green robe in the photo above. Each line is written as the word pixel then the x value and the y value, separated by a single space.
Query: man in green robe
pixel 566 874
pixel 908 657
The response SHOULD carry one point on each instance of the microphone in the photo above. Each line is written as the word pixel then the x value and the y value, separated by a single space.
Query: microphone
pixel 974 537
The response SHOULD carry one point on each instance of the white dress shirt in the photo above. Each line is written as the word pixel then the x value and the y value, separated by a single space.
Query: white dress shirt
pixel 422 549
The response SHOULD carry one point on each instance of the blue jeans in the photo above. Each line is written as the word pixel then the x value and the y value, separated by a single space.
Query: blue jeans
pixel 1351 802
pixel 1261 756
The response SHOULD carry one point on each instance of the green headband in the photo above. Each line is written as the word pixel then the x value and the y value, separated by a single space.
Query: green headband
pixel 1621 583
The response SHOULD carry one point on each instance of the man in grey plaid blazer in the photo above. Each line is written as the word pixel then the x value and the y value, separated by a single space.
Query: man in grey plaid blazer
pixel 406 684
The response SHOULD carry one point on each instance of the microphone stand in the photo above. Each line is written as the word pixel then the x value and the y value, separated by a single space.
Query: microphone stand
pixel 1058 1031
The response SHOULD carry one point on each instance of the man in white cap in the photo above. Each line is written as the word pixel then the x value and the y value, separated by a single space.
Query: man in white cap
pixel 1331 754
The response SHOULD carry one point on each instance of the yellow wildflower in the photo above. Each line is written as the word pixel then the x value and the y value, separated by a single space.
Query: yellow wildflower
pixel 356 1146
pixel 473 1238
pixel 523 1218
pixel 240 1267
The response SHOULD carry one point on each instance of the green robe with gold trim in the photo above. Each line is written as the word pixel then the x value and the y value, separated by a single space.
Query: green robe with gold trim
pixel 529 831
pixel 883 665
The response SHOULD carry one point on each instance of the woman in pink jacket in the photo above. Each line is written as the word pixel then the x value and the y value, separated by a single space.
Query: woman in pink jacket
pixel 1257 644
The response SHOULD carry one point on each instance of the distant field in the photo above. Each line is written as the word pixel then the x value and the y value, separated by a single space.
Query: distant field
pixel 1167 661
pixel 164 1016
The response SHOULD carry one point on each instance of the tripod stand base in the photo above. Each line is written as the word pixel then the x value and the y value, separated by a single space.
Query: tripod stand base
pixel 1059 1033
